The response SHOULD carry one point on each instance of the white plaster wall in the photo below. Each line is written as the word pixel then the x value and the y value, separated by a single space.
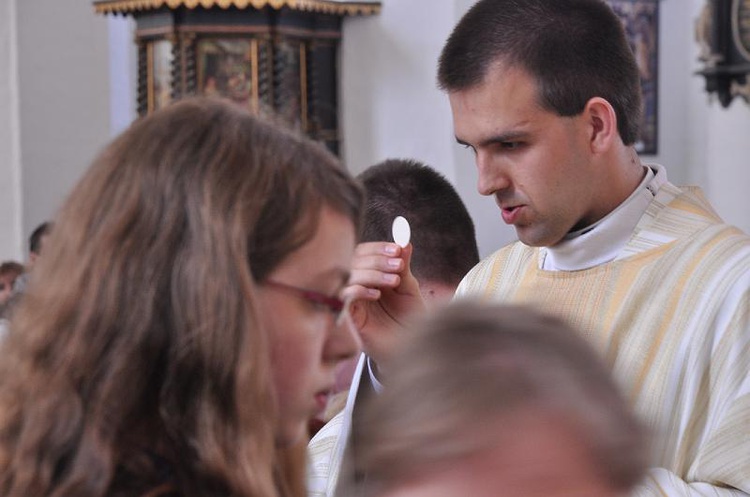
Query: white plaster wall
pixel 698 106
pixel 10 168
pixel 63 100
pixel 123 73
pixel 675 76
pixel 728 172
pixel 390 104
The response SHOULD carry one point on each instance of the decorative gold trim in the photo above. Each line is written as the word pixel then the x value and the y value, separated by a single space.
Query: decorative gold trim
pixel 323 6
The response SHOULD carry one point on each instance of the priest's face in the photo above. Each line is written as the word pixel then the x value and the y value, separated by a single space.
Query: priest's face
pixel 536 164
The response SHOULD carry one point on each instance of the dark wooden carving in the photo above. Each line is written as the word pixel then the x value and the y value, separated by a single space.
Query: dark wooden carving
pixel 278 60
pixel 177 67
pixel 142 84
pixel 722 31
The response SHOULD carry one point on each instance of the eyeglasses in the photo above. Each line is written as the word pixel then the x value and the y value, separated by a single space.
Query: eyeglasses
pixel 339 308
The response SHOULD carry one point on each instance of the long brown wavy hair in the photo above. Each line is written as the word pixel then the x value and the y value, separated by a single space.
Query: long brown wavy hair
pixel 136 357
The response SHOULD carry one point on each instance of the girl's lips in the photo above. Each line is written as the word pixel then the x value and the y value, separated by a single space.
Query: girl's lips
pixel 321 400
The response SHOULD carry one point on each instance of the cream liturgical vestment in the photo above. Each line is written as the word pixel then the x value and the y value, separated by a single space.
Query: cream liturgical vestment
pixel 671 315
pixel 327 448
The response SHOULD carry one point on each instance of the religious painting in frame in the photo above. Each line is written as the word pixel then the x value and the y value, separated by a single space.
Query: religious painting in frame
pixel 641 21
pixel 225 69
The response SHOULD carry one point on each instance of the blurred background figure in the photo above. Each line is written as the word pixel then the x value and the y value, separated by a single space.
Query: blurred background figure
pixel 492 401
pixel 9 272
pixel 184 323
pixel 444 249
pixel 442 234
pixel 37 240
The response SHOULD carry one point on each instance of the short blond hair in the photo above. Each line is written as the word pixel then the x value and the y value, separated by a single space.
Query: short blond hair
pixel 471 364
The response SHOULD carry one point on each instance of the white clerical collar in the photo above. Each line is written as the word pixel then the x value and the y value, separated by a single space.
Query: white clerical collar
pixel 603 240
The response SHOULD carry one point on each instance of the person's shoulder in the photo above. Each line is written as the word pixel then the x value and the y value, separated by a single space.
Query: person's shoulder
pixel 329 432
pixel 513 253
pixel 322 452
pixel 692 200
pixel 322 447
pixel 684 213
pixel 708 225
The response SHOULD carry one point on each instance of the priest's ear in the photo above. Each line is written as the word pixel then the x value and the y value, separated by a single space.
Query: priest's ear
pixel 601 121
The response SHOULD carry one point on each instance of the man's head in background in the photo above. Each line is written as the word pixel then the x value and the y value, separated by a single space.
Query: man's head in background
pixel 9 272
pixel 443 236
pixel 37 240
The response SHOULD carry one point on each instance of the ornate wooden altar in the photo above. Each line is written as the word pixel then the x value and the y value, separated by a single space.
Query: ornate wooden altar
pixel 278 55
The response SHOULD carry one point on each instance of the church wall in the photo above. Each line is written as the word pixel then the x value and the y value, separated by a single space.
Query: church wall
pixel 10 170
pixel 63 100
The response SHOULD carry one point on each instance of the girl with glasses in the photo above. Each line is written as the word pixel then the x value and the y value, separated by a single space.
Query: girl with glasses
pixel 154 354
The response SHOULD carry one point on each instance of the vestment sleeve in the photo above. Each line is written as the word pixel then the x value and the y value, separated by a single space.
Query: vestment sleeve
pixel 661 483
pixel 323 458
pixel 720 463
